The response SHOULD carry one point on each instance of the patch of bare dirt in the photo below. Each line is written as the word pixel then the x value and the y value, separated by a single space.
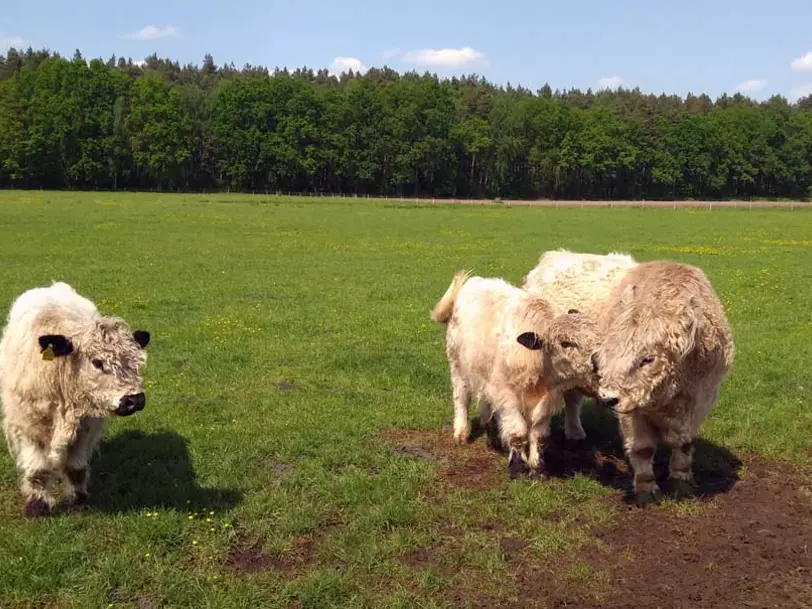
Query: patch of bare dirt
pixel 473 465
pixel 146 602
pixel 250 558
pixel 284 386
pixel 750 547
pixel 247 555
pixel 422 558
pixel 482 465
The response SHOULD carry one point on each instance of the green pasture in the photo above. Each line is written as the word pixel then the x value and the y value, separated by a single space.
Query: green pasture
pixel 288 335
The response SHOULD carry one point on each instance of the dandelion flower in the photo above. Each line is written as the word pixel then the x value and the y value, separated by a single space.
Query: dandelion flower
pixel 147 555
pixel 194 542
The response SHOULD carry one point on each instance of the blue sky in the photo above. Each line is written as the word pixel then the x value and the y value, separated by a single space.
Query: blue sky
pixel 715 46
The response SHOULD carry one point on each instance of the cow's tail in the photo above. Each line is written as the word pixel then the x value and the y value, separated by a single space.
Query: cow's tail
pixel 443 309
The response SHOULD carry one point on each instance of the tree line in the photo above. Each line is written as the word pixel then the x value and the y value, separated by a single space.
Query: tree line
pixel 115 124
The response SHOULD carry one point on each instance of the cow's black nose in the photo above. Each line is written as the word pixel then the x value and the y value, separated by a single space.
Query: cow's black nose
pixel 130 404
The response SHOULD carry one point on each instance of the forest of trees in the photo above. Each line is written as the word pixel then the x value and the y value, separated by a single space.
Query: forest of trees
pixel 70 123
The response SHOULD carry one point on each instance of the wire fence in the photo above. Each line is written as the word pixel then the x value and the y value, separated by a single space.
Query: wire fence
pixel 642 203
pixel 710 205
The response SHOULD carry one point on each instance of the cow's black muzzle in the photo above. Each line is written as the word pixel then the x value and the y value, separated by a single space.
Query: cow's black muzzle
pixel 130 404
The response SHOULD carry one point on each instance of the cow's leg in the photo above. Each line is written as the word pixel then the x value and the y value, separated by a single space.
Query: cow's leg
pixel 36 478
pixel 462 401
pixel 485 413
pixel 65 428
pixel 539 431
pixel 640 441
pixel 513 434
pixel 681 434
pixel 679 468
pixel 489 422
pixel 77 471
pixel 573 429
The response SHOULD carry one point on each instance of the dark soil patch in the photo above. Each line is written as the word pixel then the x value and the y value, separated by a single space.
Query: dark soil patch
pixel 473 465
pixel 483 464
pixel 146 602
pixel 284 386
pixel 747 545
pixel 751 547
pixel 249 557
pixel 512 548
pixel 281 469
pixel 416 452
pixel 422 558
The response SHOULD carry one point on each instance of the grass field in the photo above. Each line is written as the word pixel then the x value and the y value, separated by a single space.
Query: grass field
pixel 293 451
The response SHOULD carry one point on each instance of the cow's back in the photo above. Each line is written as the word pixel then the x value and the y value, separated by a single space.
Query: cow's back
pixel 475 327
pixel 572 280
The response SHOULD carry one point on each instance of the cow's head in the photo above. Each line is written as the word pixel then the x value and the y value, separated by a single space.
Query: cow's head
pixel 642 350
pixel 567 345
pixel 103 365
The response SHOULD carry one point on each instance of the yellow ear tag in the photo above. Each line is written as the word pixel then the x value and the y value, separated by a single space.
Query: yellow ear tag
pixel 48 354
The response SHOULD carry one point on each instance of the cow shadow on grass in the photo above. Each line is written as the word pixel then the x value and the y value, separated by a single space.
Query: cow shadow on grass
pixel 601 456
pixel 134 471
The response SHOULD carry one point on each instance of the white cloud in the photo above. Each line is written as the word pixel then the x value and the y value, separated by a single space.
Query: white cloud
pixel 139 62
pixel 802 91
pixel 344 64
pixel 802 63
pixel 154 32
pixel 443 58
pixel 7 42
pixel 754 85
pixel 609 82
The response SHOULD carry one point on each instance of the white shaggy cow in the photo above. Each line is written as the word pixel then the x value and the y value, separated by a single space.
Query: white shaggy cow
pixel 64 368
pixel 511 350
pixel 665 350
pixel 576 281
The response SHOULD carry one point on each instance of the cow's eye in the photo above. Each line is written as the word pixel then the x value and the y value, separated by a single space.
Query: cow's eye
pixel 646 361
pixel 98 364
pixel 566 344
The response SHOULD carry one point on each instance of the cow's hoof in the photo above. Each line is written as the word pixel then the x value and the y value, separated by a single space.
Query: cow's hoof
pixel 78 502
pixel 461 437
pixel 539 475
pixel 517 466
pixel 648 498
pixel 575 435
pixel 682 488
pixel 37 508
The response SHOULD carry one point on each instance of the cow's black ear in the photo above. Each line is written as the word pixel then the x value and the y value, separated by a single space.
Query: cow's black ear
pixel 55 345
pixel 141 337
pixel 573 311
pixel 530 340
